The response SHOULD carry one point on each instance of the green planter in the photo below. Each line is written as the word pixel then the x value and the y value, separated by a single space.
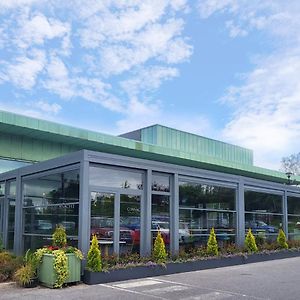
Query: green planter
pixel 47 275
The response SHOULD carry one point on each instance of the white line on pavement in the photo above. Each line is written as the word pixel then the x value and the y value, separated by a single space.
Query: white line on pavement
pixel 128 285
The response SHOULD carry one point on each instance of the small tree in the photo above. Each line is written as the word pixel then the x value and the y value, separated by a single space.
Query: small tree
pixel 94 261
pixel 250 243
pixel 212 244
pixel 59 237
pixel 159 250
pixel 281 240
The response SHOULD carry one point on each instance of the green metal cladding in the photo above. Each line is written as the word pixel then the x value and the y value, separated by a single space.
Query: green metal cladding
pixel 25 138
pixel 183 141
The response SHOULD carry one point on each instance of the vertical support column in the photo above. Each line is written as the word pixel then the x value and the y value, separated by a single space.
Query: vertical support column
pixel 174 216
pixel 18 234
pixel 146 216
pixel 84 208
pixel 117 224
pixel 5 216
pixel 240 210
pixel 285 213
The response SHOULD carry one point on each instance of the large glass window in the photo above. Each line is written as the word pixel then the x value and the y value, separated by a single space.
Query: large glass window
pixel 293 204
pixel 49 201
pixel 2 193
pixel 203 206
pixel 11 199
pixel 116 177
pixel 263 214
pixel 161 183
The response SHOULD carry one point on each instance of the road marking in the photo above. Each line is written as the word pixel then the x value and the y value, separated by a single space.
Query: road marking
pixel 140 283
pixel 208 289
pixel 210 296
pixel 132 292
pixel 167 289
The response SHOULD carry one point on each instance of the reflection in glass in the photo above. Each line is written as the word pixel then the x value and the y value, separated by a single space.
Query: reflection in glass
pixel 49 201
pixel 161 183
pixel 117 178
pixel 11 198
pixel 202 207
pixel 130 223
pixel 263 214
pixel 293 217
pixel 102 220
pixel 2 189
pixel 161 217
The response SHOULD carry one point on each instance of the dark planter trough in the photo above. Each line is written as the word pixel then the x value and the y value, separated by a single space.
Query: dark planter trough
pixel 180 267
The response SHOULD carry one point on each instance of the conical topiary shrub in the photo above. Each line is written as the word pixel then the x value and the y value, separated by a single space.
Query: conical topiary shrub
pixel 159 250
pixel 59 237
pixel 94 261
pixel 281 240
pixel 212 244
pixel 250 243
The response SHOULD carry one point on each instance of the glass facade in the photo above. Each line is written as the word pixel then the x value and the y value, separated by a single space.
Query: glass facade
pixel 116 178
pixel 263 214
pixel 202 207
pixel 49 201
pixel 2 194
pixel 11 200
pixel 293 206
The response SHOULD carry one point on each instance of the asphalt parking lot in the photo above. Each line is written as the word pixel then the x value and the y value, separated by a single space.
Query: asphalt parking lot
pixel 267 280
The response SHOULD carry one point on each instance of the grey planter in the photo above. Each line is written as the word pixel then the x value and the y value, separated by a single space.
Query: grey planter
pixel 180 267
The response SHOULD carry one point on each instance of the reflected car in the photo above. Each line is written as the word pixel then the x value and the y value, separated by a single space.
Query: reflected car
pixel 260 226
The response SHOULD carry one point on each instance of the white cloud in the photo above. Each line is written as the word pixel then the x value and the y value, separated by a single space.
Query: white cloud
pixel 44 106
pixel 266 106
pixel 23 72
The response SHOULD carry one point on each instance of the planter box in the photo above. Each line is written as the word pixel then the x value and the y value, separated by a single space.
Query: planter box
pixel 180 267
pixel 47 275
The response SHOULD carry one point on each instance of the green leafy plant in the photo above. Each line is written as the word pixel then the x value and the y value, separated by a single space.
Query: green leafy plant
pixel 59 237
pixel 250 243
pixel 94 261
pixel 60 266
pixel 8 265
pixel 212 244
pixel 159 250
pixel 281 240
pixel 24 275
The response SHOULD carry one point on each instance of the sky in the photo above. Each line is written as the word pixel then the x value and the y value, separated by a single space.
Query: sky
pixel 224 69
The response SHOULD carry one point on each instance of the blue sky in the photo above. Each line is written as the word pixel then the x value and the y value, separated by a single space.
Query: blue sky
pixel 225 69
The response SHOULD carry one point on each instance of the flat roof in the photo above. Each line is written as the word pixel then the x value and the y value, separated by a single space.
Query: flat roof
pixel 85 139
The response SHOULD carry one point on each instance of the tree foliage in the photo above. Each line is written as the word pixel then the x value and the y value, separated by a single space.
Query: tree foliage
pixel 159 249
pixel 281 240
pixel 94 261
pixel 212 244
pixel 291 164
pixel 59 237
pixel 250 242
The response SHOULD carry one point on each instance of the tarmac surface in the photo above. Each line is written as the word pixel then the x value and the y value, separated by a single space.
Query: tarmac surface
pixel 266 280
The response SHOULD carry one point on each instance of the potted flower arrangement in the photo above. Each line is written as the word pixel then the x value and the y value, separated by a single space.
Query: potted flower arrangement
pixel 59 263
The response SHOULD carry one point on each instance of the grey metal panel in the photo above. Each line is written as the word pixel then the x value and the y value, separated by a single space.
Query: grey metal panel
pixel 174 216
pixel 285 214
pixel 84 208
pixel 18 231
pixel 240 208
pixel 117 224
pixel 208 181
pixel 148 214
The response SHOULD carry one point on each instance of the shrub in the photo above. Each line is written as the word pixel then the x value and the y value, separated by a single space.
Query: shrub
pixel 24 275
pixel 281 240
pixel 159 250
pixel 8 265
pixel 250 243
pixel 59 237
pixel 212 244
pixel 94 261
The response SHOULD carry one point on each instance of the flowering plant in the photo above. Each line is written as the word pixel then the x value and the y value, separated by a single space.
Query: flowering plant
pixel 59 250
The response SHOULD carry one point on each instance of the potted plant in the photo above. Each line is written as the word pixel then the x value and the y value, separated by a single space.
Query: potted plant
pixel 26 275
pixel 59 264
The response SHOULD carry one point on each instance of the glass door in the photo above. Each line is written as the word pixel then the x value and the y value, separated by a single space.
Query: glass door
pixel 103 221
pixel 130 223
